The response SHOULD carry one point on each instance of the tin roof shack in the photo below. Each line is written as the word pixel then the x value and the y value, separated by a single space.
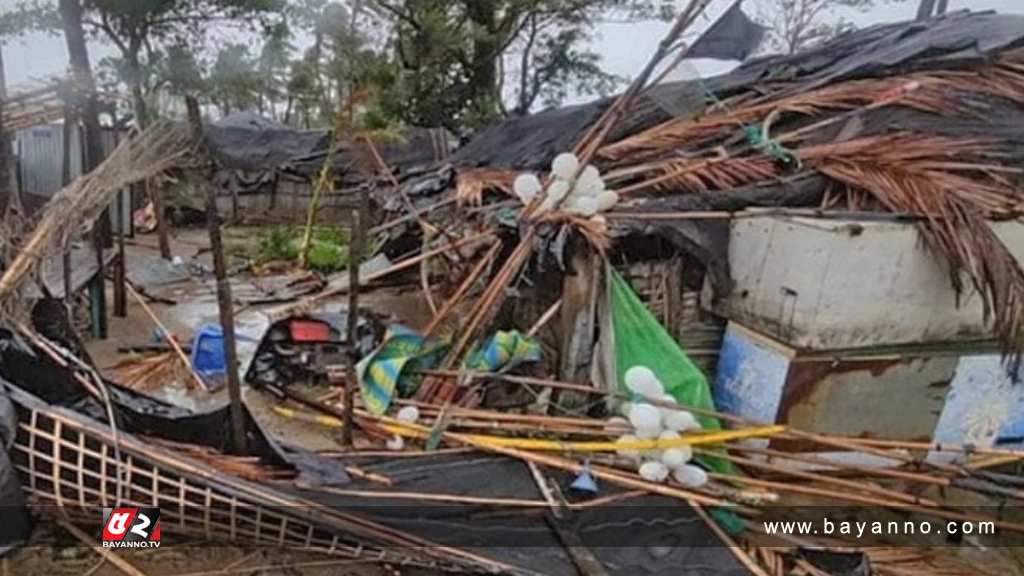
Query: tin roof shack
pixel 268 171
pixel 40 156
pixel 850 326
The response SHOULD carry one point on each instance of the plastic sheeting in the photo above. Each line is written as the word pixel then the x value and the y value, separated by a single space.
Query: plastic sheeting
pixel 960 39
pixel 250 143
pixel 16 525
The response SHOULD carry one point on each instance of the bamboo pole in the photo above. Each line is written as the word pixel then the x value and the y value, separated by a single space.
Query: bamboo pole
pixel 463 289
pixel 936 447
pixel 866 470
pixel 225 304
pixel 167 334
pixel 355 257
pixel 397 267
pixel 822 478
pixel 738 552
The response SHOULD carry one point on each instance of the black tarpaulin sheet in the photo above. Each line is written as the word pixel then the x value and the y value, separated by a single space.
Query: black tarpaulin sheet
pixel 140 414
pixel 16 525
pixel 529 142
pixel 646 535
pixel 249 143
pixel 961 39
pixel 734 36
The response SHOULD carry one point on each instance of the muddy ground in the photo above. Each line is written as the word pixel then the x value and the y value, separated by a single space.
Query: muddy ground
pixel 54 552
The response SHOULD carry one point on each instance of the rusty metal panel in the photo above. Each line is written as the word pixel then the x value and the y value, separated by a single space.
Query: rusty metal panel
pixel 891 397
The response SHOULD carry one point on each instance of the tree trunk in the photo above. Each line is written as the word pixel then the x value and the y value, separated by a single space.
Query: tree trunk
pixel 925 9
pixel 486 47
pixel 942 7
pixel 84 94
pixel 156 193
pixel 9 195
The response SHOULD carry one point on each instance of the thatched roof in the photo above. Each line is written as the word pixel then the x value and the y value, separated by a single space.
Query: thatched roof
pixel 919 119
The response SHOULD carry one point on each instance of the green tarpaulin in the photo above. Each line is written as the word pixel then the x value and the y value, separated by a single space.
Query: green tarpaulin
pixel 640 340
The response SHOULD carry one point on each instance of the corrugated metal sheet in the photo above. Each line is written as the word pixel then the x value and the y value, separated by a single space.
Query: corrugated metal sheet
pixel 40 151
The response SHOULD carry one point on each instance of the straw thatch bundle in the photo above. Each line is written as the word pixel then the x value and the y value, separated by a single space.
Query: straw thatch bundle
pixel 153 151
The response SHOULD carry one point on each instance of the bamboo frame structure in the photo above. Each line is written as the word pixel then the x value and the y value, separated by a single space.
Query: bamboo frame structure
pixel 69 469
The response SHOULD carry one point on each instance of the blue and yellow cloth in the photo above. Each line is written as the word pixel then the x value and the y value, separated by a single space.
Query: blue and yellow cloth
pixel 395 365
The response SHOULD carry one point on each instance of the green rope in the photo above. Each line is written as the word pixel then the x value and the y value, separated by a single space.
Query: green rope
pixel 770 146
pixel 755 133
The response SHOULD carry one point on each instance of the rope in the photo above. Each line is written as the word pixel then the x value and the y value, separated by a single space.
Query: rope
pixel 771 147
pixel 756 134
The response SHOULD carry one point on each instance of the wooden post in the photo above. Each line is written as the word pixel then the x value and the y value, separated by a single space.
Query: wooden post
pixel 65 179
pixel 224 303
pixel 355 257
pixel 100 238
pixel 156 195
pixel 120 266
pixel 580 290
pixel 83 93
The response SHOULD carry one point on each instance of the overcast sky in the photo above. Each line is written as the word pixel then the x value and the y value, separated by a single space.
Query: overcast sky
pixel 625 47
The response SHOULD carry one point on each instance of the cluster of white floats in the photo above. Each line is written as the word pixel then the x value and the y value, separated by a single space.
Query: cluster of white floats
pixel 662 422
pixel 647 421
pixel 584 195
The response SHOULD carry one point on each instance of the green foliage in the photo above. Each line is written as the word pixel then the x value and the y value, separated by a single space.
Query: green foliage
pixel 28 16
pixel 328 251
pixel 151 37
pixel 234 81
pixel 375 64
pixel 452 55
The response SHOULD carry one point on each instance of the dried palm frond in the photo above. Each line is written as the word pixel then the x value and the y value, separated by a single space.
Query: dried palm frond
pixel 678 133
pixel 152 371
pixel 471 184
pixel 703 175
pixel 932 92
pixel 902 172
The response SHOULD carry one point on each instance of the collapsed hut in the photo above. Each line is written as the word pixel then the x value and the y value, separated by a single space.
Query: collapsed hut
pixel 268 172
pixel 904 121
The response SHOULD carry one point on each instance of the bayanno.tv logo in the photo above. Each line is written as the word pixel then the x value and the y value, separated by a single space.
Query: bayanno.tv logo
pixel 131 527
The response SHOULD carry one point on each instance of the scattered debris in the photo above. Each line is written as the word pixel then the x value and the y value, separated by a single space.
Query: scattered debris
pixel 544 380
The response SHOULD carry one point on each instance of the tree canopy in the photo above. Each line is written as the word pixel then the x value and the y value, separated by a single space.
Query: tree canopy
pixel 797 24
pixel 377 63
